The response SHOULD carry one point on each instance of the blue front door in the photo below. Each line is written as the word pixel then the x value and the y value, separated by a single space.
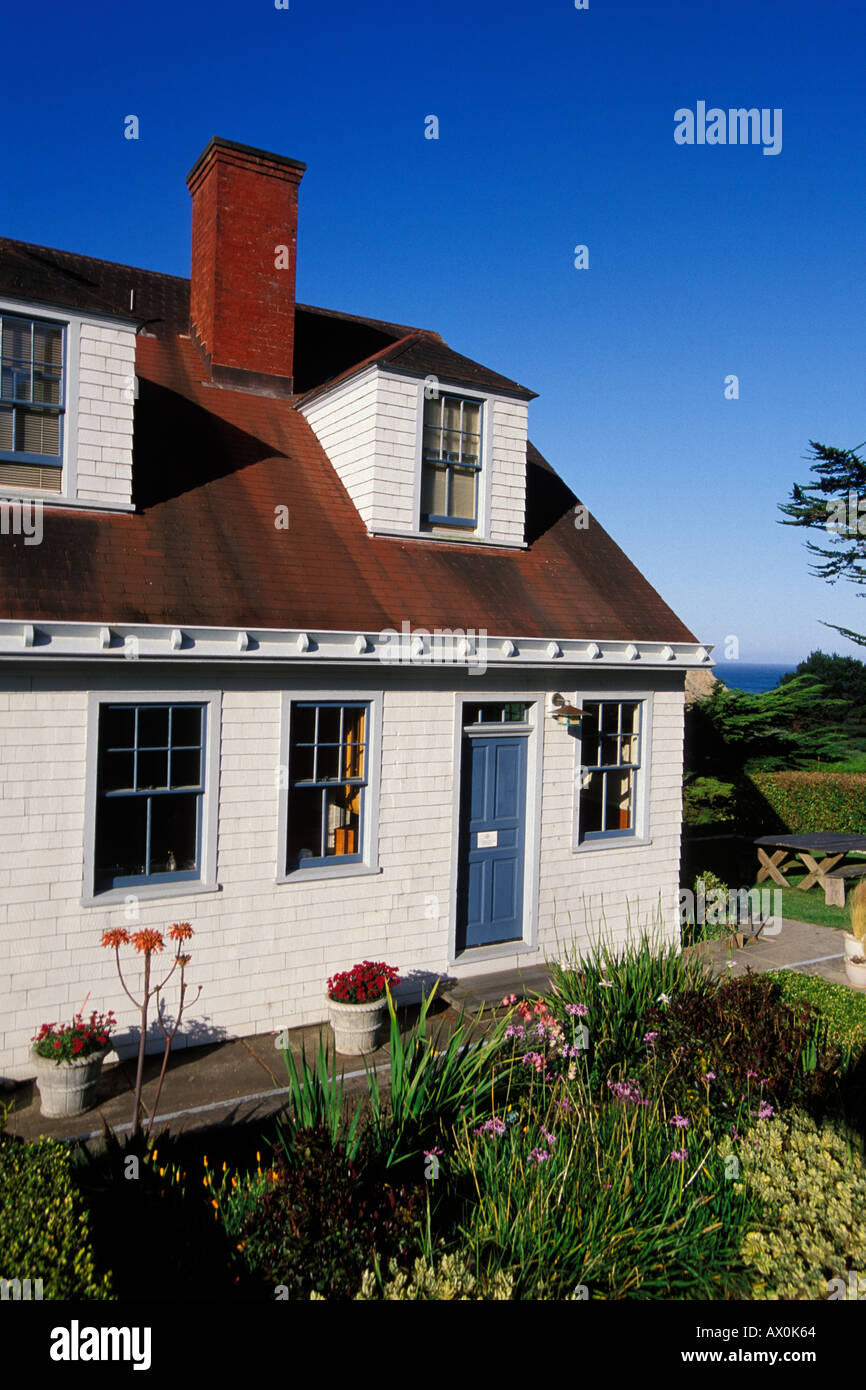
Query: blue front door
pixel 492 834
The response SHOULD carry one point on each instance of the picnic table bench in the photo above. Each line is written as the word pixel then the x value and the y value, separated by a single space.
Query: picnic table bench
pixel 832 847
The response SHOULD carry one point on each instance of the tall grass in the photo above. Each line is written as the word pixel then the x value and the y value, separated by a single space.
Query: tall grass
pixel 619 984
pixel 433 1080
pixel 591 1196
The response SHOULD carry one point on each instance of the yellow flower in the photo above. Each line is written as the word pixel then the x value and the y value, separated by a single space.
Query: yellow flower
pixel 215 1203
pixel 258 1157
pixel 205 1160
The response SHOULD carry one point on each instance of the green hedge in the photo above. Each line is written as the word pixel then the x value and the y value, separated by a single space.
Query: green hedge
pixel 816 801
pixel 44 1233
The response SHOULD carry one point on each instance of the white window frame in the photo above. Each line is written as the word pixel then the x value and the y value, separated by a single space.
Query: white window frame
pixel 207 881
pixel 641 834
pixel 369 861
pixel 482 528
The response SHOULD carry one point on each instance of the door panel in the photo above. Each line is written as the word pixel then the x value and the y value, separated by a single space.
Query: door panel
pixel 492 836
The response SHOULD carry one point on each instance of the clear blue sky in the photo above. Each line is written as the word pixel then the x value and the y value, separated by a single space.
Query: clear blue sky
pixel 556 129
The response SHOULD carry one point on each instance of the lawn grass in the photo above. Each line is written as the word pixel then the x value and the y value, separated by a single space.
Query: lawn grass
pixel 798 906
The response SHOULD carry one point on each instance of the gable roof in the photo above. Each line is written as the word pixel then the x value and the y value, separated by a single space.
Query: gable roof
pixel 212 465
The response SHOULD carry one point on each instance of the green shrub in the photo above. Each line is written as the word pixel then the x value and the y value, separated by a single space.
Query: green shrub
pixel 44 1230
pixel 326 1218
pixel 759 1048
pixel 811 1185
pixel 843 1009
pixel 811 802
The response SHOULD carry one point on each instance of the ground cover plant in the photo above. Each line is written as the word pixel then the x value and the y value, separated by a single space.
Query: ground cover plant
pixel 45 1229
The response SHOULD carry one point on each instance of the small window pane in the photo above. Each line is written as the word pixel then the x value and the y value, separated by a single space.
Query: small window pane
pixel 152 727
pixel 118 772
pixel 303 765
pixel 152 769
pixel 37 433
pixel 609 719
pixel 5 428
pixel 118 727
pixel 329 724
pixel 610 752
pixel 186 726
pixel 185 767
pixel 47 345
pixel 304 724
pixel 328 763
pixel 16 340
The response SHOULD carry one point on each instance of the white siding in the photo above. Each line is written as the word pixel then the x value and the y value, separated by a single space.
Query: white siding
pixel 103 421
pixel 508 474
pixel 370 429
pixel 263 950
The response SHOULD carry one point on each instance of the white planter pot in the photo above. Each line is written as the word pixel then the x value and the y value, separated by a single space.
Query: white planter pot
pixel 357 1028
pixel 856 973
pixel 67 1088
pixel 853 947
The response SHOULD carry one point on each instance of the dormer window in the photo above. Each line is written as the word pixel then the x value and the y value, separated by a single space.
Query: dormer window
pixel 31 402
pixel 451 461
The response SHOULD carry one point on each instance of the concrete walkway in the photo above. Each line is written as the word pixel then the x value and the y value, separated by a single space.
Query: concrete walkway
pixel 800 946
pixel 245 1081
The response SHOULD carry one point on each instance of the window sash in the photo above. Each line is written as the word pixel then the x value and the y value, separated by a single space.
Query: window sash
pixel 325 789
pixel 605 772
pixel 451 450
pixel 32 360
pixel 155 801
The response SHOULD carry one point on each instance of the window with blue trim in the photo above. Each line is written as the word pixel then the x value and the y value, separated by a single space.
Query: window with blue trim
pixel 150 782
pixel 610 757
pixel 31 391
pixel 451 461
pixel 327 783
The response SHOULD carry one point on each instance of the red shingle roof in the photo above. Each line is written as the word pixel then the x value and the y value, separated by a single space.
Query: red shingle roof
pixel 211 465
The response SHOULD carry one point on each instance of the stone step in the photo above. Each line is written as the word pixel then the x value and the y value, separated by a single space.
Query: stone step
pixel 475 991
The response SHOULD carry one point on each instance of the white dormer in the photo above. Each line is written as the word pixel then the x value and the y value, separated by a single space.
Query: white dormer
pixel 66 404
pixel 424 457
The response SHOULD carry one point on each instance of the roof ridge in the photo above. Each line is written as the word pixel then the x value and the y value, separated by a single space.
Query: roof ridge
pixel 96 260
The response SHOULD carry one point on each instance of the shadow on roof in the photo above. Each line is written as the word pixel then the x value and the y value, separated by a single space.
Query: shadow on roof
pixel 179 446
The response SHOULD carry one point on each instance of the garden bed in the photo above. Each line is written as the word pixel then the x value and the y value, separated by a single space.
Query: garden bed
pixel 596 1142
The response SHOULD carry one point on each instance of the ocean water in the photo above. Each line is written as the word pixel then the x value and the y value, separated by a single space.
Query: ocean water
pixel 751 677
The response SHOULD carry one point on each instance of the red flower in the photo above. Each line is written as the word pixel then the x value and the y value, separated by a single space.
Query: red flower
pixel 147 941
pixel 181 931
pixel 117 937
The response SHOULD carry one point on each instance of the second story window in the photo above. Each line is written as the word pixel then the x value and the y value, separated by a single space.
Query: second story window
pixel 31 401
pixel 451 461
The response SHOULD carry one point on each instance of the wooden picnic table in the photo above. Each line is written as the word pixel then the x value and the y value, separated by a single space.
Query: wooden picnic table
pixel 830 846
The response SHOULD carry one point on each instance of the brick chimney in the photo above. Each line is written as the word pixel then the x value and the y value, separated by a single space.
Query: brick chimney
pixel 244 246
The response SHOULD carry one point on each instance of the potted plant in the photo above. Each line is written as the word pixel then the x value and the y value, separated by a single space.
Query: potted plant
pixel 358 1005
pixel 855 969
pixel 855 939
pixel 68 1059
